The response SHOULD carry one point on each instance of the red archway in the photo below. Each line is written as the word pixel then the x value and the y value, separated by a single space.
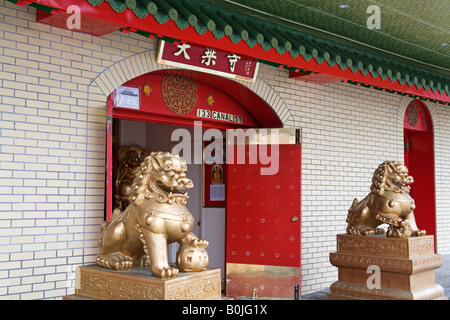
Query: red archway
pixel 419 158
pixel 228 96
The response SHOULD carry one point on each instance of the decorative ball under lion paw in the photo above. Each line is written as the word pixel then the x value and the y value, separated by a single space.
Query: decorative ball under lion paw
pixel 192 259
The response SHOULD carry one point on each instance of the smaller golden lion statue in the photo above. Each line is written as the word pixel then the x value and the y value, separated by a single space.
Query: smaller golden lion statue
pixel 388 202
pixel 129 162
pixel 155 217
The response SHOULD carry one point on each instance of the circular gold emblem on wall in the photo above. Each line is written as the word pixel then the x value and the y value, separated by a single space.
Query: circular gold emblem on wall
pixel 179 93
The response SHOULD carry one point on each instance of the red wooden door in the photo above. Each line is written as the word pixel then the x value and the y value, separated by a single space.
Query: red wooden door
pixel 263 213
pixel 419 158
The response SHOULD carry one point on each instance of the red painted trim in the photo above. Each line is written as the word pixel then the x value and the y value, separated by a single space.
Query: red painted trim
pixel 420 162
pixel 170 29
pixel 88 24
pixel 109 160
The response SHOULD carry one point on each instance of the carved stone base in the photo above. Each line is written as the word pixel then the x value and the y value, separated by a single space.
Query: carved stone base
pixel 406 268
pixel 97 283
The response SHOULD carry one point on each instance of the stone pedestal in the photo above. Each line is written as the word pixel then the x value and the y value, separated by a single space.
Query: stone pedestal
pixel 95 283
pixel 406 268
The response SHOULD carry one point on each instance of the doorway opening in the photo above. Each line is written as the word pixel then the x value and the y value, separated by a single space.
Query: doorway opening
pixel 150 136
pixel 419 158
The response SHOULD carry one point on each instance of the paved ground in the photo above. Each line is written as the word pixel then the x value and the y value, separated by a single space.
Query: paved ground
pixel 442 278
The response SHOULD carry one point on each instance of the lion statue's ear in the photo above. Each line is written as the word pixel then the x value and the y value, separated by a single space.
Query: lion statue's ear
pixel 390 168
pixel 156 163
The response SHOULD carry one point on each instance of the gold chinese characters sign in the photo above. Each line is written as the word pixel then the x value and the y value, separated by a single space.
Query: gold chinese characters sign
pixel 208 60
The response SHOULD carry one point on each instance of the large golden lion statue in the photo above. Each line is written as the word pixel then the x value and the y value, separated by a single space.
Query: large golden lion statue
pixel 388 202
pixel 156 217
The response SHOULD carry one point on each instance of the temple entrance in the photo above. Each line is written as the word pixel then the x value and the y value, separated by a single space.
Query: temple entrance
pixel 419 158
pixel 182 112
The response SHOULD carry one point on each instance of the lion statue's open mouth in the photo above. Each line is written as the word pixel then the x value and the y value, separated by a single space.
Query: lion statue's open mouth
pixel 399 180
pixel 173 193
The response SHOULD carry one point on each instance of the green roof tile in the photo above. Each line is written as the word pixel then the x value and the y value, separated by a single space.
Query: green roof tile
pixel 223 22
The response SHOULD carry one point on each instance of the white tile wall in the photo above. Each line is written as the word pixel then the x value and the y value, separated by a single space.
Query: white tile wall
pixel 53 88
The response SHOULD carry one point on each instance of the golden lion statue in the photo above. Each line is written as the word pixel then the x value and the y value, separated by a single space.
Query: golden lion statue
pixel 156 217
pixel 129 162
pixel 388 202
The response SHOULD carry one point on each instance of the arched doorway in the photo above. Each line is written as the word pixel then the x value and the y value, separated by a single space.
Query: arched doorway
pixel 170 100
pixel 234 96
pixel 419 158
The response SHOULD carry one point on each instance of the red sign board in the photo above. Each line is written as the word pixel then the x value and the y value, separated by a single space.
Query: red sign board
pixel 209 60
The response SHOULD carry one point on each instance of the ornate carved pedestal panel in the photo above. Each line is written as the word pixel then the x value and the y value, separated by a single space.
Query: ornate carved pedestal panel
pixel 98 283
pixel 405 268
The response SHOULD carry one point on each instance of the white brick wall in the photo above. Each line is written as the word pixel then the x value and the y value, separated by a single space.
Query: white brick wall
pixel 53 88
pixel 345 138
pixel 442 168
pixel 52 151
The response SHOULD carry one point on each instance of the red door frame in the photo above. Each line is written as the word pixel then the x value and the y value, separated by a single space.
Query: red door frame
pixel 419 158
